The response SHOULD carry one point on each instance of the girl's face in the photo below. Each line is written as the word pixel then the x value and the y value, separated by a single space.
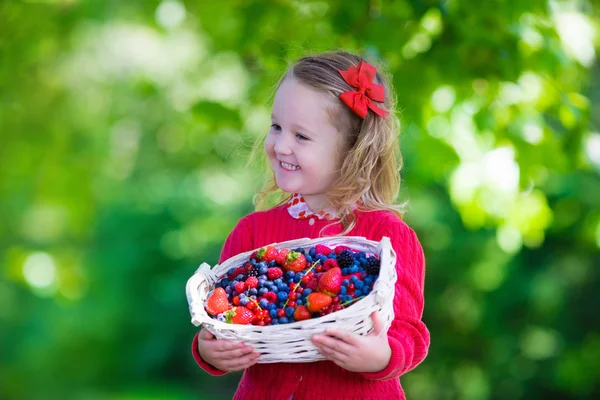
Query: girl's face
pixel 302 145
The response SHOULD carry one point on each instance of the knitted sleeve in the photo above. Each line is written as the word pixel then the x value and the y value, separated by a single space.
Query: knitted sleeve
pixel 239 240
pixel 408 336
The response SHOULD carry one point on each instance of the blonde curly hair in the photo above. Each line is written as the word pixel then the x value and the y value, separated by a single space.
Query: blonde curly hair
pixel 369 175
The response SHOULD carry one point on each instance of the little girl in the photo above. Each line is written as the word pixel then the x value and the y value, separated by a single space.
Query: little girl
pixel 334 153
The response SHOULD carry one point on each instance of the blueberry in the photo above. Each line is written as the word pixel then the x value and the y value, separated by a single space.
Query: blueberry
pixel 290 274
pixel 361 254
pixel 299 302
pixel 345 271
pixel 289 311
pixel 291 280
pixel 354 279
pixel 278 281
pixel 300 250
pixel 306 292
pixel 244 301
pixel 253 291
pixel 264 303
pixel 275 322
pixel 312 252
pixel 253 262
pixel 358 293
pixel 273 264
pixel 274 289
pixel 332 255
pixel 263 270
pixel 366 290
pixel 282 296
pixel 322 257
pixel 368 280
pixel 242 295
pixel 230 272
pixel 362 261
pixel 273 306
pixel 343 290
pixel 359 284
pixel 273 313
pixel 309 259
pixel 283 320
pixel 240 277
pixel 228 290
pixel 345 282
pixel 353 269
pixel 262 291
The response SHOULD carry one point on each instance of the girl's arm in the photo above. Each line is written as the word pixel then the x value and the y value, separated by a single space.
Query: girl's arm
pixel 239 240
pixel 408 336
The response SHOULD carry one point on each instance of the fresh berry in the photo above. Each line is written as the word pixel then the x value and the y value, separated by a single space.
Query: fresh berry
pixel 345 258
pixel 312 285
pixel 240 315
pixel 217 303
pixel 282 256
pixel 322 249
pixel 295 261
pixel 240 287
pixel 236 300
pixel 274 273
pixel 329 264
pixel 251 282
pixel 267 253
pixel 316 301
pixel 280 313
pixel 373 266
pixel 236 272
pixel 302 313
pixel 254 271
pixel 330 282
pixel 339 249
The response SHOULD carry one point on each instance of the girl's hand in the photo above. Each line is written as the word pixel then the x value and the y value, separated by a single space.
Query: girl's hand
pixel 370 353
pixel 224 354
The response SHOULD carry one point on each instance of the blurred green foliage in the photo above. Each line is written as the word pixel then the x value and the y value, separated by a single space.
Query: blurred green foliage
pixel 124 130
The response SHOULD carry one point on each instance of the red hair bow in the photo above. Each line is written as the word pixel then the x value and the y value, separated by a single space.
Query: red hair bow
pixel 361 99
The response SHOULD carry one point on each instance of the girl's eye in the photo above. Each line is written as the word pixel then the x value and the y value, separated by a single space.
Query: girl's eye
pixel 301 136
pixel 276 127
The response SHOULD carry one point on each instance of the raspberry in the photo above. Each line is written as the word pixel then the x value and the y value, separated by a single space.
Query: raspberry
pixel 251 282
pixel 345 258
pixel 274 273
pixel 322 249
pixel 329 264
pixel 339 249
pixel 372 267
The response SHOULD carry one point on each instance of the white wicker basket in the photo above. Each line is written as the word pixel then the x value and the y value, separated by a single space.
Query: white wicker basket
pixel 291 342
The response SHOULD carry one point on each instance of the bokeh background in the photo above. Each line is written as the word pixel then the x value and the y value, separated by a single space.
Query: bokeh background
pixel 124 131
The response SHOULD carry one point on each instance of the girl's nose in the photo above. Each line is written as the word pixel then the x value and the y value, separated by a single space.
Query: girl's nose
pixel 282 145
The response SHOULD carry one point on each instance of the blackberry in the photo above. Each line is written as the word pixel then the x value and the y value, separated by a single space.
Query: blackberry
pixel 372 266
pixel 254 271
pixel 345 259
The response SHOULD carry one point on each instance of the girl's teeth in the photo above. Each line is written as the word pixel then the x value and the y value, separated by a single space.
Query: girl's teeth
pixel 289 166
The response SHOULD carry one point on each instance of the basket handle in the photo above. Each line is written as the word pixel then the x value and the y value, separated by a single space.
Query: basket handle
pixel 386 251
pixel 202 275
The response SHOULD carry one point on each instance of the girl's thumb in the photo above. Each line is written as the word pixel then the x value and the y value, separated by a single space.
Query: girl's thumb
pixel 205 335
pixel 377 323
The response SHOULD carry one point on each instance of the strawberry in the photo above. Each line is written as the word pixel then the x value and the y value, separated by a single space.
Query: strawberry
pixel 274 273
pixel 329 264
pixel 217 302
pixel 240 287
pixel 339 249
pixel 330 282
pixel 302 313
pixel 282 256
pixel 267 253
pixel 239 315
pixel 252 282
pixel 322 249
pixel 317 301
pixel 295 261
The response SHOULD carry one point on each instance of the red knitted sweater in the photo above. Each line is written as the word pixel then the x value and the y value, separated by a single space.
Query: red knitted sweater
pixel 408 336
